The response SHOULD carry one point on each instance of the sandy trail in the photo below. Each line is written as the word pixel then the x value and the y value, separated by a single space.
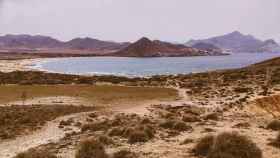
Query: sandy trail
pixel 50 133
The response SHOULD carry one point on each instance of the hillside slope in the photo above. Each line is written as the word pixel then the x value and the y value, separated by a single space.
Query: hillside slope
pixel 147 48
pixel 238 42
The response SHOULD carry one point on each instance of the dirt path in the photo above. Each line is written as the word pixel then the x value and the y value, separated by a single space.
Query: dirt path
pixel 49 133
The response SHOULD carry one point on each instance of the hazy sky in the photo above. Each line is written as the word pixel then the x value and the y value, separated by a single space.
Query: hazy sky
pixel 128 20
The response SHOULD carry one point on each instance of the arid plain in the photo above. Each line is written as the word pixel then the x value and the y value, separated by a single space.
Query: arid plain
pixel 161 116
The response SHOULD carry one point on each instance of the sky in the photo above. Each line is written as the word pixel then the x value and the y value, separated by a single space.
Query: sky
pixel 129 20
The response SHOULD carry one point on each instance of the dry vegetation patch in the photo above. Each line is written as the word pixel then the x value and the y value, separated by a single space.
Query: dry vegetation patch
pixel 36 154
pixel 271 105
pixel 274 125
pixel 227 145
pixel 103 94
pixel 91 148
pixel 204 145
pixel 125 154
pixel 18 120
pixel 276 142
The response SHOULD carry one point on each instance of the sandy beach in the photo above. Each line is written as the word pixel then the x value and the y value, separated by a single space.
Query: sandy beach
pixel 18 65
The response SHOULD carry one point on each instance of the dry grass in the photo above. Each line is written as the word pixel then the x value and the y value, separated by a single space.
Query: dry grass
pixel 175 125
pixel 91 149
pixel 274 125
pixel 95 94
pixel 124 154
pixel 227 145
pixel 190 118
pixel 141 133
pixel 271 105
pixel 276 142
pixel 35 154
pixel 137 136
pixel 204 145
pixel 95 126
pixel 105 140
pixel 17 120
pixel 212 116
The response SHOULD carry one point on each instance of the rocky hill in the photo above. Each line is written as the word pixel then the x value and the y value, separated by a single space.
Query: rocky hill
pixel 29 42
pixel 90 43
pixel 45 42
pixel 147 48
pixel 270 46
pixel 238 42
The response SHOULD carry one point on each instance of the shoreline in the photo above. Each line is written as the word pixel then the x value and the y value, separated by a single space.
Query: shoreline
pixel 35 64
pixel 7 66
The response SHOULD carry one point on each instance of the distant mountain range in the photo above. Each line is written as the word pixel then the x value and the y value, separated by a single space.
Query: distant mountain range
pixel 235 42
pixel 238 42
pixel 45 42
pixel 142 48
pixel 147 48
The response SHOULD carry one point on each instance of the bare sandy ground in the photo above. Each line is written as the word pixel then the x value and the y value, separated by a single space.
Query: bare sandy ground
pixel 51 133
pixel 17 65
pixel 159 148
pixel 58 100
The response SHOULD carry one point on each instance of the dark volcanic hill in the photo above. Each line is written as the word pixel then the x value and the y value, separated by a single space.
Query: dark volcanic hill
pixel 238 42
pixel 45 42
pixel 147 48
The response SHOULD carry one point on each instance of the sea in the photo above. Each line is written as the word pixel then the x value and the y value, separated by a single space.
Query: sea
pixel 145 67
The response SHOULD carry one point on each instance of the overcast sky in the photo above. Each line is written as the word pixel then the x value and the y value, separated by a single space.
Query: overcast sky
pixel 128 20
